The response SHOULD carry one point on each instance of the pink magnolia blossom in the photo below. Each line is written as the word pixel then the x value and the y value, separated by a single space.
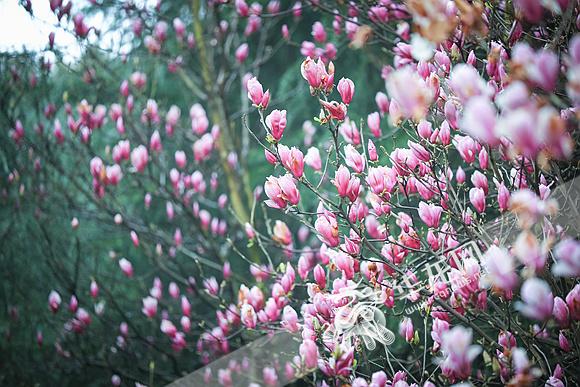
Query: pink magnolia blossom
pixel 477 199
pixel 248 315
pixel 467 148
pixel 316 74
pixel 335 110
pixel 374 124
pixel 500 268
pixel 466 83
pixel 312 158
pixel 411 93
pixel 372 150
pixel 406 329
pixel 382 102
pixel 139 158
pixel 290 319
pixel 561 312
pixel 479 120
pixel 567 254
pixel 149 307
pixel 309 353
pixel 256 93
pixel 327 228
pixel 354 159
pixel 538 301
pixel 242 52
pixel 126 267
pixel 292 159
pixel 430 214
pixel 54 301
pixel 281 191
pixel 459 353
pixel 345 88
pixel 276 122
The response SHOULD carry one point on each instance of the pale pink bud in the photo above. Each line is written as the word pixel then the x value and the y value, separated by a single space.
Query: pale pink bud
pixel 320 276
pixel 173 290
pixel 479 180
pixel 312 159
pixel 406 329
pixel 424 129
pixel 139 158
pixel 372 150
pixel 94 289
pixel 276 122
pixel 382 102
pixel 285 32
pixel 179 27
pixel 503 197
pixel 561 312
pixel 477 199
pixel 134 238
pixel 242 53
pixel 126 267
pixel 54 301
pixel 290 319
pixel 346 90
pixel 180 159
pixel 185 306
pixel 168 328
pixel 460 175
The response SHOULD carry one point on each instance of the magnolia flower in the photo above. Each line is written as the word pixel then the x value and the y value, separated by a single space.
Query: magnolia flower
pixel 309 353
pixel 327 228
pixel 538 301
pixel 126 267
pixel 459 353
pixel 149 306
pixel 312 158
pixel 256 93
pixel 430 214
pixel 54 301
pixel 276 122
pixel 346 90
pixel 567 254
pixel 500 268
pixel 139 158
pixel 292 159
pixel 411 93
pixel 281 191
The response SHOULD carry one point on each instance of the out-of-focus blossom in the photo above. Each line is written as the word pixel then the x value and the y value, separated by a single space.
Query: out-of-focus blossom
pixel 538 301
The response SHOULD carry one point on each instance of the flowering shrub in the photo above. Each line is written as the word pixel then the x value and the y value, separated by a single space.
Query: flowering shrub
pixel 373 236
